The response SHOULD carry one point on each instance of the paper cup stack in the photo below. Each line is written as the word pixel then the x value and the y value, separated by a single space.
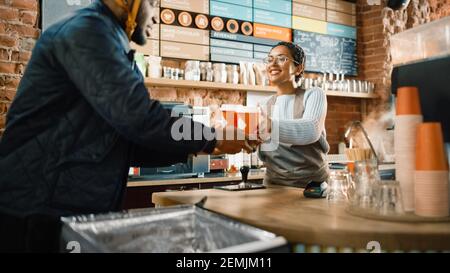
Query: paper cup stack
pixel 408 117
pixel 431 175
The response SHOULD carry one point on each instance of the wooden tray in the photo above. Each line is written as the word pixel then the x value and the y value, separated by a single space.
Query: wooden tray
pixel 406 217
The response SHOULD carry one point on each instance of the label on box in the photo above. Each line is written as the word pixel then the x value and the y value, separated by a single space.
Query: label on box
pixel 272 18
pixel 150 48
pixel 231 52
pixel 230 44
pixel 341 30
pixel 272 32
pixel 231 11
pixel 183 34
pixel 315 3
pixel 309 11
pixel 341 18
pixel 184 51
pixel 199 6
pixel 341 6
pixel 282 6
pixel 310 25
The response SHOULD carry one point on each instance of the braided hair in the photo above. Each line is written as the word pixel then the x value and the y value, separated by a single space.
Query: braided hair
pixel 297 54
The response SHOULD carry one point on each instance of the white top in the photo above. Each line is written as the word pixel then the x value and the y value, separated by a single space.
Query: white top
pixel 311 127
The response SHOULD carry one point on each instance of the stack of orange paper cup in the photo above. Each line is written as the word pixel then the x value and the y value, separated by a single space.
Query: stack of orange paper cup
pixel 431 175
pixel 408 117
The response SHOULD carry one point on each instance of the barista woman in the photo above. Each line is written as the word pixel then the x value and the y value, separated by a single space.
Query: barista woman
pixel 295 123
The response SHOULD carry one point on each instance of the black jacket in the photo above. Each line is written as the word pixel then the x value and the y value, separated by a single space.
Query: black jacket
pixel 81 116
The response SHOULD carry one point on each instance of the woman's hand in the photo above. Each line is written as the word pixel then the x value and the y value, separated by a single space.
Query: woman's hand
pixel 264 125
pixel 232 141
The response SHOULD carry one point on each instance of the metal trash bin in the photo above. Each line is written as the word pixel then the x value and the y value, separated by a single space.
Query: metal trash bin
pixel 179 229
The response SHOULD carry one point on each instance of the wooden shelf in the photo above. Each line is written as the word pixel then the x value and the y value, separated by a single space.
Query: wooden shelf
pixel 149 82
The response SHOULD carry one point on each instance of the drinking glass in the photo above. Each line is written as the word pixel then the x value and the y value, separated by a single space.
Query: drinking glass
pixel 367 179
pixel 339 184
pixel 388 198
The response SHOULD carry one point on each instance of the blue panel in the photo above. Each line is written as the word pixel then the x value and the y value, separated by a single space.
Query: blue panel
pixel 231 59
pixel 231 11
pixel 272 18
pixel 263 49
pixel 242 38
pixel 259 55
pixel 231 52
pixel 247 3
pixel 230 44
pixel 341 30
pixel 282 6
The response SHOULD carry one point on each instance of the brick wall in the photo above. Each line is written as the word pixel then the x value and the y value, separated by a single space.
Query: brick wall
pixel 18 33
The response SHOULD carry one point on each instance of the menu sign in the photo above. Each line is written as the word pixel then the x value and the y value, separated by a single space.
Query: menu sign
pixel 326 53
pixel 199 6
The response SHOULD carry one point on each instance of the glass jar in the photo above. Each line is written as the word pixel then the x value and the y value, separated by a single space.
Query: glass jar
pixel 339 186
pixel 232 74
pixel 209 72
pixel 203 72
pixel 220 73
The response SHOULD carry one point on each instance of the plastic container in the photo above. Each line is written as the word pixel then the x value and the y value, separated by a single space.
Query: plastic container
pixel 179 229
pixel 431 40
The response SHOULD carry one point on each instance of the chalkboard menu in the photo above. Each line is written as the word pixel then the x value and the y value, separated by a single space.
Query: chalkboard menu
pixel 325 53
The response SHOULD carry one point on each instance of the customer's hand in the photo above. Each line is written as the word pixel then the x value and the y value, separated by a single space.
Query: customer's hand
pixel 232 141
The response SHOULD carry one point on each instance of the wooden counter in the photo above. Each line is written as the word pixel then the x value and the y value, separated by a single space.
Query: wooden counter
pixel 284 211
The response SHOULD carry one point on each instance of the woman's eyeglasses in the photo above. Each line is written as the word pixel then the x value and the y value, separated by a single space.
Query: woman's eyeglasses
pixel 280 60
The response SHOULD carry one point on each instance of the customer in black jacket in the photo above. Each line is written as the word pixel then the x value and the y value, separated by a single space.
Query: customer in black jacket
pixel 82 115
